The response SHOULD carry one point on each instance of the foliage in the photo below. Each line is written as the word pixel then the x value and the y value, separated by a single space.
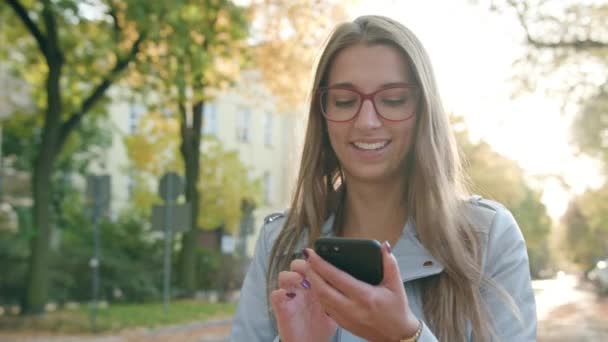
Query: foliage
pixel 496 177
pixel 224 180
pixel 590 127
pixel 568 56
pixel 586 238
pixel 289 34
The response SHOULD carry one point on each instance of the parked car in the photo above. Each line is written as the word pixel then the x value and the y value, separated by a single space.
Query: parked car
pixel 599 276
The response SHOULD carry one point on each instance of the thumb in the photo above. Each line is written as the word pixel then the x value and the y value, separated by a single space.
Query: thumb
pixel 392 276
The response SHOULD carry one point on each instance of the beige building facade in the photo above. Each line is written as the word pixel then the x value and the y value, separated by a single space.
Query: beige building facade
pixel 244 118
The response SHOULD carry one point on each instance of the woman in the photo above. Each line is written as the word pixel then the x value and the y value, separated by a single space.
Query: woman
pixel 380 162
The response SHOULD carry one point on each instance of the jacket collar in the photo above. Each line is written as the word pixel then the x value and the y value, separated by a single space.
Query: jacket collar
pixel 414 260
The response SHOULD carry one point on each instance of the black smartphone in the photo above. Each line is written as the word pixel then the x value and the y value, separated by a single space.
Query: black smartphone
pixel 360 258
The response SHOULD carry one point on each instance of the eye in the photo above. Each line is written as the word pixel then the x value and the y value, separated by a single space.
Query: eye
pixel 343 98
pixel 345 102
pixel 394 101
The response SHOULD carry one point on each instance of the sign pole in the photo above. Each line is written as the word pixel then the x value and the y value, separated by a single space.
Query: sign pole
pixel 168 245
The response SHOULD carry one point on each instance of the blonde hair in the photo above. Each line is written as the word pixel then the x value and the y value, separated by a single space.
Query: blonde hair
pixel 435 191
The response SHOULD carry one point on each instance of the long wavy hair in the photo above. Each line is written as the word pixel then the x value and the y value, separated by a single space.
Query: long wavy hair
pixel 435 188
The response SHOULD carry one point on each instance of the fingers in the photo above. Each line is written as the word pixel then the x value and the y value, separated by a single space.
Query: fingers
pixel 277 298
pixel 392 276
pixel 289 280
pixel 300 266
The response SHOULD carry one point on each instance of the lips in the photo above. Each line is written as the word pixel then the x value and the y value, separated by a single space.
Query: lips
pixel 370 146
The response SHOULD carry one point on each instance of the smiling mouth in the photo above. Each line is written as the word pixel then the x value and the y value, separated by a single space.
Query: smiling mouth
pixel 370 146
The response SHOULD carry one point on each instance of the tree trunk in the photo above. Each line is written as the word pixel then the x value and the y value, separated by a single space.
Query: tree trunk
pixel 190 149
pixel 37 276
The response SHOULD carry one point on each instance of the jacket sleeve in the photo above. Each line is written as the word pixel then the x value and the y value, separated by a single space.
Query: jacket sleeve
pixel 252 319
pixel 507 264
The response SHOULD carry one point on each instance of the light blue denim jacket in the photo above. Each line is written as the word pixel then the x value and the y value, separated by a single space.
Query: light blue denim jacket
pixel 505 261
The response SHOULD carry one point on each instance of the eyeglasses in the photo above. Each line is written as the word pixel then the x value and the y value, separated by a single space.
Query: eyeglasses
pixel 394 103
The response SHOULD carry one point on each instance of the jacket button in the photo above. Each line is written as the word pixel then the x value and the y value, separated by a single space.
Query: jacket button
pixel 428 263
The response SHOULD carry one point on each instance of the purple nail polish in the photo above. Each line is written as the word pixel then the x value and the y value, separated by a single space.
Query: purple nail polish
pixel 388 247
pixel 305 284
pixel 291 295
pixel 305 253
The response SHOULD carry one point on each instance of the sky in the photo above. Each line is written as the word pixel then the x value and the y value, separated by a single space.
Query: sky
pixel 472 51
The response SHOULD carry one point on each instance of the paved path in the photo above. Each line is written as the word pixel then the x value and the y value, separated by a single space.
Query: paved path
pixel 210 331
pixel 569 311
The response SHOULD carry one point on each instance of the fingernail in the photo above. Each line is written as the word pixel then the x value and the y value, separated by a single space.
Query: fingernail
pixel 305 252
pixel 305 284
pixel 388 247
pixel 291 295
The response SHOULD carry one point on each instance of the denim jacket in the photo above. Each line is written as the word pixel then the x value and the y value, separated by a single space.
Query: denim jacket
pixel 505 260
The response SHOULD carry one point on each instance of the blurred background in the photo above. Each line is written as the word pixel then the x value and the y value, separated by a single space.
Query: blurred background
pixel 143 143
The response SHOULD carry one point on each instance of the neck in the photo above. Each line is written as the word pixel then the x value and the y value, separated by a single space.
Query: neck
pixel 375 210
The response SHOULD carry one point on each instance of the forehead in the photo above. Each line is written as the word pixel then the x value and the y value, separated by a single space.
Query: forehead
pixel 369 67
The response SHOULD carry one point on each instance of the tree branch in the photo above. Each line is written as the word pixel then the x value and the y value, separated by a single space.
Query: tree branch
pixel 576 44
pixel 30 25
pixel 113 14
pixel 69 125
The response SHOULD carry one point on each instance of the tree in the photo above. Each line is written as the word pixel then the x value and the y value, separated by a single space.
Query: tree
pixel 224 181
pixel 586 238
pixel 289 36
pixel 70 52
pixel 496 177
pixel 186 76
pixel 198 48
pixel 568 56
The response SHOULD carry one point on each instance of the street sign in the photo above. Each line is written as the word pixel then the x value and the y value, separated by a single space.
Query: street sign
pixel 179 219
pixel 98 194
pixel 170 186
pixel 227 244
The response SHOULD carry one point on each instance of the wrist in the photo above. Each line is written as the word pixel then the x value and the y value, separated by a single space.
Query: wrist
pixel 411 330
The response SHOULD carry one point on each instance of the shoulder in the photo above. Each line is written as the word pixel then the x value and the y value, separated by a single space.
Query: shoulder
pixel 272 226
pixel 486 216
pixel 496 227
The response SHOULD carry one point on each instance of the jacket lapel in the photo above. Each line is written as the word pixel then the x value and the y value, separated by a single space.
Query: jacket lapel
pixel 414 260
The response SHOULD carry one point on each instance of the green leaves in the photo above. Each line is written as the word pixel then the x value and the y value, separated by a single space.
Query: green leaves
pixel 495 177
pixel 224 180
pixel 586 238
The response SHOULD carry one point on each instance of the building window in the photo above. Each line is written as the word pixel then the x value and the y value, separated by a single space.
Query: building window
pixel 243 125
pixel 268 129
pixel 267 188
pixel 136 111
pixel 209 119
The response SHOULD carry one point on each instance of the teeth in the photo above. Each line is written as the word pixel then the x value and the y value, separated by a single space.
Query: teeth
pixel 372 146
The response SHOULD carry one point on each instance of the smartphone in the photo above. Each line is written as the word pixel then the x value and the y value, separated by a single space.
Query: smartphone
pixel 360 258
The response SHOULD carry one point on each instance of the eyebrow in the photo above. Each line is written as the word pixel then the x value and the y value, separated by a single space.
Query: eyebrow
pixel 385 85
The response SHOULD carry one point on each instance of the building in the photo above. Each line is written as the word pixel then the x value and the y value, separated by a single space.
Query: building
pixel 244 118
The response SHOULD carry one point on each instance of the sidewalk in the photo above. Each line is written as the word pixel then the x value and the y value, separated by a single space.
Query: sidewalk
pixel 583 318
pixel 208 331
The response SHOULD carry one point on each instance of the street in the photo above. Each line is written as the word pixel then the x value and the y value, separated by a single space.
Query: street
pixel 568 311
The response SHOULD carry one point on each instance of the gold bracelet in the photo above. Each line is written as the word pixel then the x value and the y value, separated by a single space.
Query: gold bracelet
pixel 416 335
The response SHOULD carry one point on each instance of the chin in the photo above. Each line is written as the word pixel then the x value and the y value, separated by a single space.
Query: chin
pixel 371 175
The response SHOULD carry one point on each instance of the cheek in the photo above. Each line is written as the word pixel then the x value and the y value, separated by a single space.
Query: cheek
pixel 406 135
pixel 337 134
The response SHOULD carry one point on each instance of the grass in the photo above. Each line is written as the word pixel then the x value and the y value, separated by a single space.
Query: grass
pixel 118 317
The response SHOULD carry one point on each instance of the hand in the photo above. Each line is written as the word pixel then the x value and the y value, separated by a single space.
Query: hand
pixel 376 313
pixel 299 315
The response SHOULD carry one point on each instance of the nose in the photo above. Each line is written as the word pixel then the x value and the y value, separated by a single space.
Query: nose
pixel 367 118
